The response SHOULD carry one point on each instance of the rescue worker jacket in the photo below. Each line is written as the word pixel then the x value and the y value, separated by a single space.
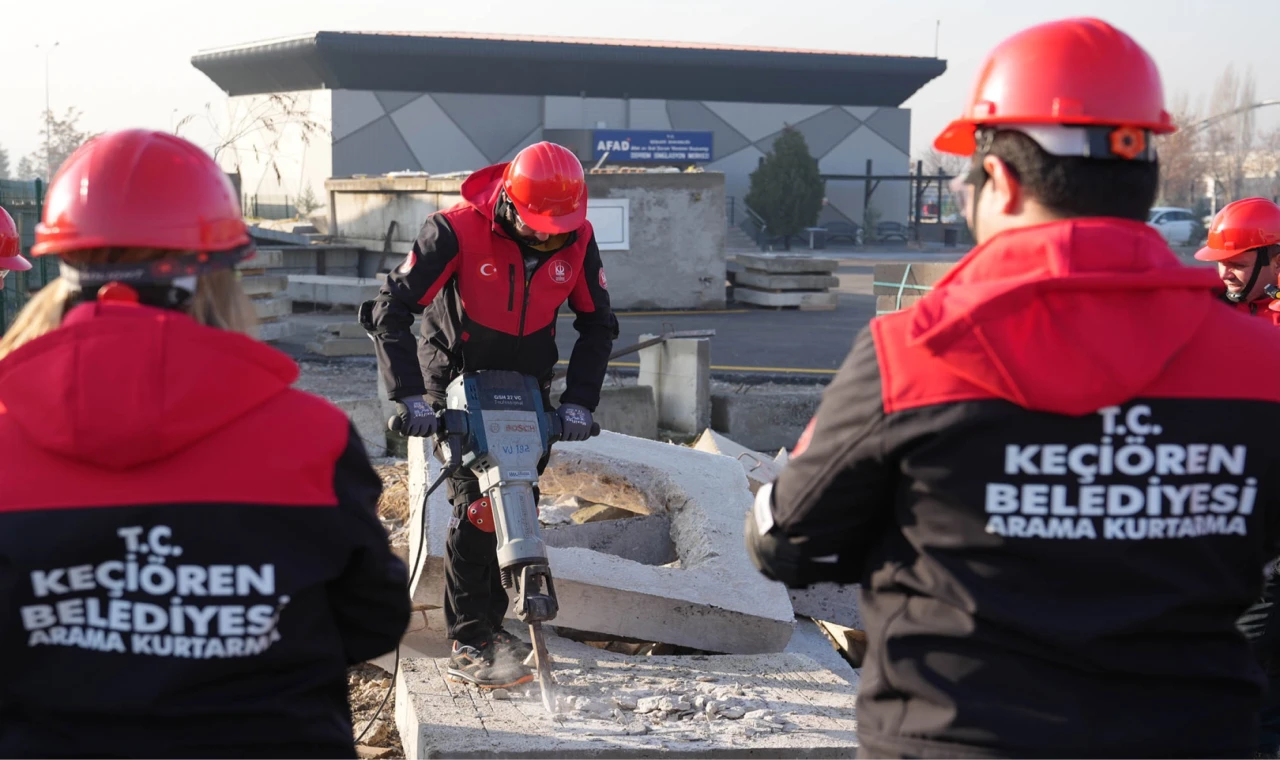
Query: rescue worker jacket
pixel 1058 492
pixel 491 301
pixel 190 556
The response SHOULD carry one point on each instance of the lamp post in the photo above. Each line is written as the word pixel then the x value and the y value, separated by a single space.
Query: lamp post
pixel 48 115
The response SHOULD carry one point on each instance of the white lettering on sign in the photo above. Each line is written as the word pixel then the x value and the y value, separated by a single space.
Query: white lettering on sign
pixel 613 145
pixel 1126 487
pixel 146 606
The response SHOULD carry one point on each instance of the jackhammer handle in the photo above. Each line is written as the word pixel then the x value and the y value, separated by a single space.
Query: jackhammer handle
pixel 395 424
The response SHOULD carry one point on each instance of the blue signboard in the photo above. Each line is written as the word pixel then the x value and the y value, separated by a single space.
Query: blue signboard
pixel 652 146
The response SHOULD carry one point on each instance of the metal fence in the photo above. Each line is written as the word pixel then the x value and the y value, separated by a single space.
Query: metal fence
pixel 24 201
pixel 270 206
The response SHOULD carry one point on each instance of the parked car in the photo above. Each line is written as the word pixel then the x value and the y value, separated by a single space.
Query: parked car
pixel 1178 226
pixel 844 230
pixel 891 231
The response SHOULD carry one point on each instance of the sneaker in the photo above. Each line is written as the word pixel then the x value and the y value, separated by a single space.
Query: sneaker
pixel 477 667
pixel 512 644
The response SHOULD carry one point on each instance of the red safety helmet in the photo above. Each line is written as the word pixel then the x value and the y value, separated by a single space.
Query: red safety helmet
pixel 142 189
pixel 1082 74
pixel 546 185
pixel 10 246
pixel 1241 226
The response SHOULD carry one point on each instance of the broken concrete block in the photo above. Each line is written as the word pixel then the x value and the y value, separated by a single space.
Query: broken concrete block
pixel 715 600
pixel 366 415
pixel 272 308
pixel 783 457
pixel 272 331
pixel 803 708
pixel 628 409
pixel 342 347
pixel 758 467
pixel 646 539
pixel 767 281
pixel 833 602
pixel 679 371
pixel 263 258
pixel 764 421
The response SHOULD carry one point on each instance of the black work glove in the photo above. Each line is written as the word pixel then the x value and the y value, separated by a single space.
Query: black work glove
pixel 417 418
pixel 575 422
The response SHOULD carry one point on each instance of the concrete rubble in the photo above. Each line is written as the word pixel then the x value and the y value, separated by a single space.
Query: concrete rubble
pixel 341 339
pixel 612 705
pixel 712 599
pixel 267 291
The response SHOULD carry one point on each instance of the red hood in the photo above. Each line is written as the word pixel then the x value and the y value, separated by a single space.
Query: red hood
pixel 480 190
pixel 121 385
pixel 1066 317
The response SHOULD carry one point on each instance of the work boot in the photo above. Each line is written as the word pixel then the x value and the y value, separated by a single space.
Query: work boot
pixel 515 648
pixel 478 667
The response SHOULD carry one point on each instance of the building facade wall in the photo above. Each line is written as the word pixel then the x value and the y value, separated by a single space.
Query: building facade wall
pixel 379 132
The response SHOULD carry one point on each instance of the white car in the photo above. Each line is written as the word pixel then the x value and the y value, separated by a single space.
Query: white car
pixel 1178 226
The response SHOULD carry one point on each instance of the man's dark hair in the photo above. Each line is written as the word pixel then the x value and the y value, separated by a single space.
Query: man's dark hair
pixel 1071 186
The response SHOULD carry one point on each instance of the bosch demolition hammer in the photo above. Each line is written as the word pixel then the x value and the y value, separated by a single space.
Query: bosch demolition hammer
pixel 494 423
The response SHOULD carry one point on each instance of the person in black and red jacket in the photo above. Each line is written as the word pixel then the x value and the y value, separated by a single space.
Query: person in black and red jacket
pixel 190 555
pixel 489 276
pixel 1052 476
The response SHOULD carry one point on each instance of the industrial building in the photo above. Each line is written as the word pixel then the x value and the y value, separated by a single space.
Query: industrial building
pixel 441 103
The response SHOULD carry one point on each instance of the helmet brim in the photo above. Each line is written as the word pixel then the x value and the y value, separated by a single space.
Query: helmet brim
pixel 15 264
pixel 552 225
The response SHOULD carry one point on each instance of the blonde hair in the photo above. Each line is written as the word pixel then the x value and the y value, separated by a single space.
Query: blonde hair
pixel 219 300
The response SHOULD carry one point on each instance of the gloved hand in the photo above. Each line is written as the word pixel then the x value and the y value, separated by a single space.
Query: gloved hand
pixel 575 422
pixel 416 417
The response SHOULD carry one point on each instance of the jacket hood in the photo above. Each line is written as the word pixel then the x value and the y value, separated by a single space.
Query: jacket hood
pixel 480 190
pixel 123 385
pixel 1065 317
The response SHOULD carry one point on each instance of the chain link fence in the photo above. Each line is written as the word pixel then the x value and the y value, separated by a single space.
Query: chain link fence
pixel 24 202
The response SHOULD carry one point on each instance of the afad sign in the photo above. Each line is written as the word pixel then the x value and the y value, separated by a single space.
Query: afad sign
pixel 652 146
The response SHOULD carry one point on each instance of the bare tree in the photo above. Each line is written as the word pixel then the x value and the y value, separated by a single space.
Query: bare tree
pixel 4 163
pixel 57 142
pixel 1182 161
pixel 1230 140
pixel 1269 163
pixel 950 164
pixel 259 128
pixel 27 169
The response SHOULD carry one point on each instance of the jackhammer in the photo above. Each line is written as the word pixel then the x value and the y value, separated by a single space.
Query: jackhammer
pixel 494 423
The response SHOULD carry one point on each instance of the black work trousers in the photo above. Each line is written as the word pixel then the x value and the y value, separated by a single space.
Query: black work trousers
pixel 475 602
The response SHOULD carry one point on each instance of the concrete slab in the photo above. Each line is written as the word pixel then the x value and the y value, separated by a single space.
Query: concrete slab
pixel 273 331
pixel 763 421
pixel 803 299
pixel 369 422
pixel 778 705
pixel 272 308
pixel 769 281
pixel 629 410
pixel 715 600
pixel 342 347
pixel 645 539
pixel 786 263
pixel 264 284
pixel 330 289
pixel 759 468
pixel 264 258
pixel 811 641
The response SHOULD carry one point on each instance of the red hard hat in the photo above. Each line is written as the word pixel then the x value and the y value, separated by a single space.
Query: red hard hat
pixel 140 189
pixel 1074 72
pixel 10 245
pixel 546 184
pixel 1241 226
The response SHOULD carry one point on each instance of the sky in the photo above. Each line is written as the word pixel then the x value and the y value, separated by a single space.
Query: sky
pixel 127 63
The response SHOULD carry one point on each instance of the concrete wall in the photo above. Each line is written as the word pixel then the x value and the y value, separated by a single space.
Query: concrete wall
pixel 675 259
pixel 677 230
pixel 379 132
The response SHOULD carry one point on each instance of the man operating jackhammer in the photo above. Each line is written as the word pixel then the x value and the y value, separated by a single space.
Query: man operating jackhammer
pixel 1244 241
pixel 489 276
pixel 1056 490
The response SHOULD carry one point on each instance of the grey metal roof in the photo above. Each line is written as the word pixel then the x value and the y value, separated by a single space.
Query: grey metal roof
pixel 474 63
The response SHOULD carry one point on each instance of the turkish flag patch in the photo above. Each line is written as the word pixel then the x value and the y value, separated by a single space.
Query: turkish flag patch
pixel 604 283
